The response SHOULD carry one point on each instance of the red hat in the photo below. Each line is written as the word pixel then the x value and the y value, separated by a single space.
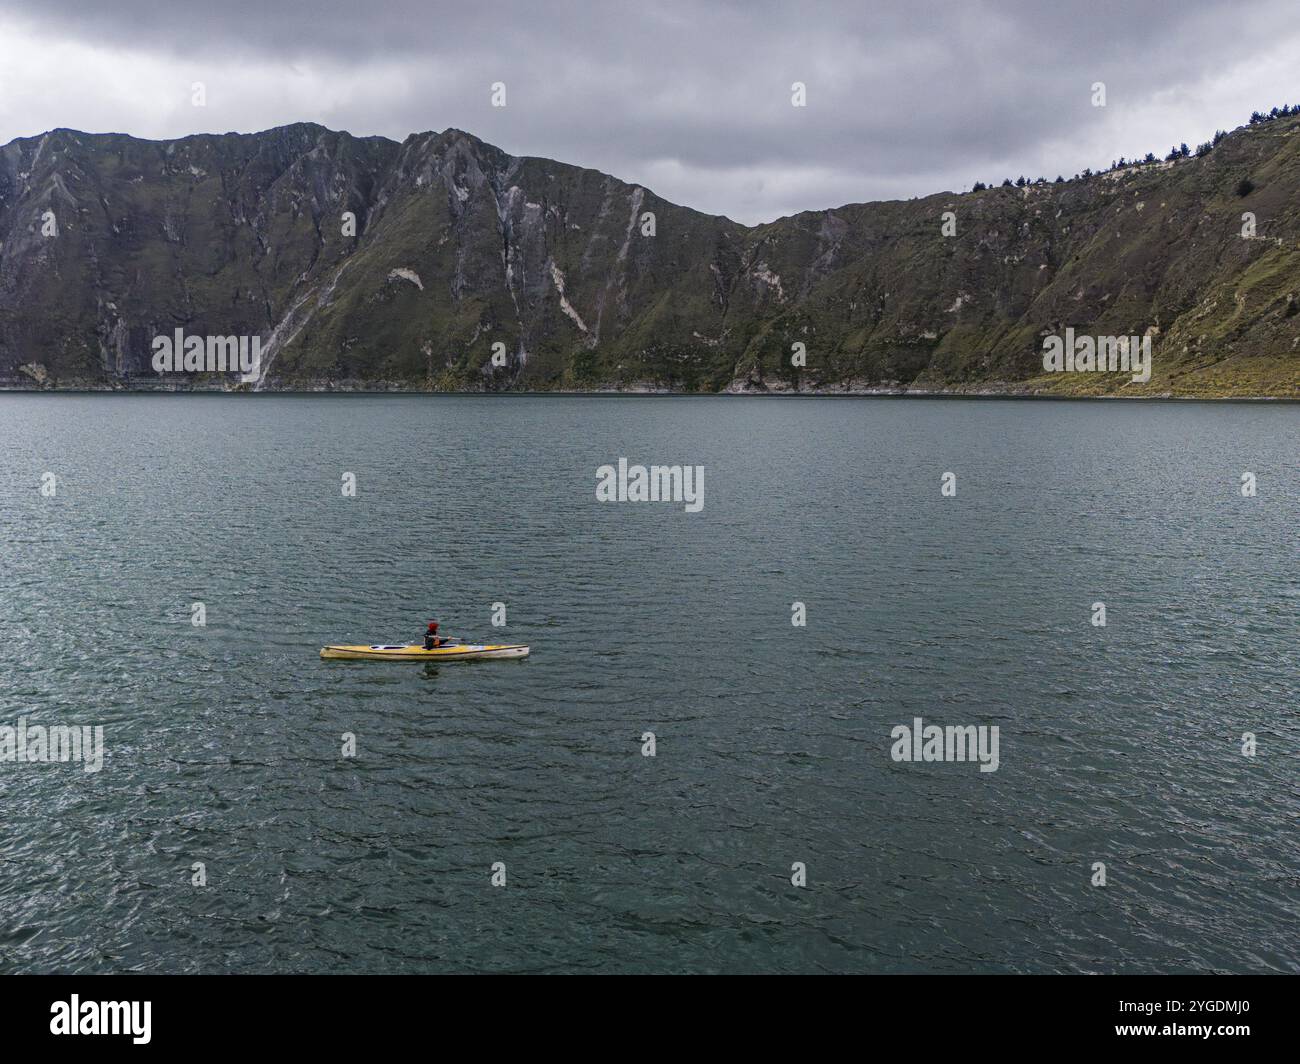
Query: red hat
pixel 433 624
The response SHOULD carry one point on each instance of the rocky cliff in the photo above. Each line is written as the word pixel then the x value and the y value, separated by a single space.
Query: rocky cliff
pixel 363 263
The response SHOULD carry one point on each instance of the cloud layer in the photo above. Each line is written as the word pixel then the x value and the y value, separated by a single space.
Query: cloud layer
pixel 689 99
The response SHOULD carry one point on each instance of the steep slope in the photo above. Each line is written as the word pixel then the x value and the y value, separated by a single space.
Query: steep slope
pixel 109 240
pixel 362 263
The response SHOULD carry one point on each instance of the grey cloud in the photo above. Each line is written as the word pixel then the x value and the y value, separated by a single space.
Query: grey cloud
pixel 903 99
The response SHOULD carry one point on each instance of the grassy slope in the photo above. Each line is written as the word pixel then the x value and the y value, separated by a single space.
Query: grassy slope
pixel 242 234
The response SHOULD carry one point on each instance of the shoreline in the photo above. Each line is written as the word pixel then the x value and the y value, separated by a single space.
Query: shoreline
pixel 664 393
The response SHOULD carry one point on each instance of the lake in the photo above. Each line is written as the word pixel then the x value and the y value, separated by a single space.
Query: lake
pixel 228 831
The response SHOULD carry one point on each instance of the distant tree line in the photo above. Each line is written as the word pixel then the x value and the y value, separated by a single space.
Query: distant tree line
pixel 1180 151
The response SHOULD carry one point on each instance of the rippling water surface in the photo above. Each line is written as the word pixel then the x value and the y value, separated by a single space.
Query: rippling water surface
pixel 1119 744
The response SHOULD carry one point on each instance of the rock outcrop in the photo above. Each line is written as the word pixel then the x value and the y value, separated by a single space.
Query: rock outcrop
pixel 363 263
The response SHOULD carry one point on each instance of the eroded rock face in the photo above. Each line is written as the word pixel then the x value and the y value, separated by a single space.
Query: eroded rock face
pixel 365 263
pixel 38 373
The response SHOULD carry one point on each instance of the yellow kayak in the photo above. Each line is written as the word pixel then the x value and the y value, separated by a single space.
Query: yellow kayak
pixel 415 652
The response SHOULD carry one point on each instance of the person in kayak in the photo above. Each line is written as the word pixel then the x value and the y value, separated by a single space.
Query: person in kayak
pixel 431 637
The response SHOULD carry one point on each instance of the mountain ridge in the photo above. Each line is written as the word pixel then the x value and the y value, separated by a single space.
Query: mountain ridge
pixel 459 246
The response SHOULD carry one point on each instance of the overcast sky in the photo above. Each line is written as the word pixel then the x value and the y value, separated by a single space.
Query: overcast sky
pixel 688 97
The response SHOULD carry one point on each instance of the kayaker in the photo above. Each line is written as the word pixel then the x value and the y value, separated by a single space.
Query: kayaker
pixel 431 638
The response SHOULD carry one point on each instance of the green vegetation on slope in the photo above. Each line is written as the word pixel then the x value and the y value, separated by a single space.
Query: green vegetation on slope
pixel 362 263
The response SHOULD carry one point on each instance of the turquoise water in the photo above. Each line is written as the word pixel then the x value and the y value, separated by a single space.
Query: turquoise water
pixel 222 744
